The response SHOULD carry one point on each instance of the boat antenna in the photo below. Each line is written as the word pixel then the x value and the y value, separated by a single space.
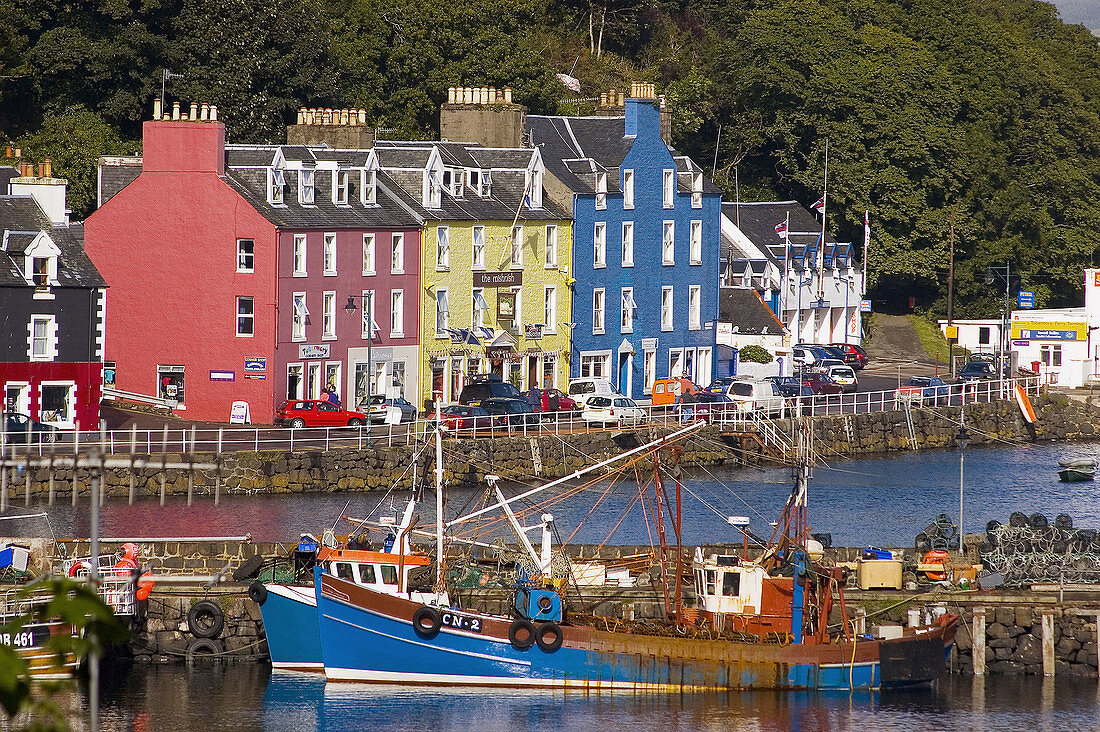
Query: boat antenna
pixel 437 398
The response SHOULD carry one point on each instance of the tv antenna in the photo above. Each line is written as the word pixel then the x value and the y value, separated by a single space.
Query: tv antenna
pixel 166 75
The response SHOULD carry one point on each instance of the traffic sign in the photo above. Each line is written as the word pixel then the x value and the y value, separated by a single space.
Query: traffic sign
pixel 864 306
pixel 1025 299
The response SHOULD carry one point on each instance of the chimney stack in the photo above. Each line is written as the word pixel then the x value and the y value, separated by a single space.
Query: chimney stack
pixel 345 128
pixel 485 115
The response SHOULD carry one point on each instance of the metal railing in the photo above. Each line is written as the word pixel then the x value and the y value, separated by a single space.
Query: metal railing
pixel 729 416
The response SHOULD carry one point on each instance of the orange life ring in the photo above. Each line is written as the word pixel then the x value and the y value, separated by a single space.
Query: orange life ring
pixel 77 566
pixel 145 586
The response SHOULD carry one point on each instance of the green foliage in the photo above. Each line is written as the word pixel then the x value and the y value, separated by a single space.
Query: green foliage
pixel 75 604
pixel 754 354
pixel 932 339
pixel 74 141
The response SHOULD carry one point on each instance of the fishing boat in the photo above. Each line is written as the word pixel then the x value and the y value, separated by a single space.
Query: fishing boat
pixel 1077 470
pixel 28 635
pixel 370 636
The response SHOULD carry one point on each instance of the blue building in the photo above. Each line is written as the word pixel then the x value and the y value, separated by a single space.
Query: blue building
pixel 646 239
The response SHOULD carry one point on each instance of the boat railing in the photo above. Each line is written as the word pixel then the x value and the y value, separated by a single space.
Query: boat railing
pixel 193 440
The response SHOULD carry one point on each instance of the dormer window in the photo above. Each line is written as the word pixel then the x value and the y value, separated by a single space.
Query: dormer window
pixel 370 187
pixel 433 189
pixel 453 182
pixel 306 186
pixel 40 265
pixel 341 187
pixel 473 180
pixel 697 190
pixel 532 183
pixel 40 272
pixel 601 191
pixel 276 181
pixel 486 189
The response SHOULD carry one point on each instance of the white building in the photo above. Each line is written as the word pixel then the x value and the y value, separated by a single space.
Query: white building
pixel 815 294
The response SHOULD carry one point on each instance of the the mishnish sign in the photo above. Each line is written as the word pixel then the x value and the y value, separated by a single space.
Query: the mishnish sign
pixel 498 279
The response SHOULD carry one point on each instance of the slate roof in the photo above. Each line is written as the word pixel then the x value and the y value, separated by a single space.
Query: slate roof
pixel 21 220
pixel 568 141
pixel 748 313
pixel 115 173
pixel 6 174
pixel 757 221
pixel 404 161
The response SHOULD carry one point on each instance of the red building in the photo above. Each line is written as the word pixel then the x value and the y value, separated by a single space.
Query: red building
pixel 231 269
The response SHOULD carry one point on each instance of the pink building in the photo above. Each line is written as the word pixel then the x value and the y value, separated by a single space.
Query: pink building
pixel 241 273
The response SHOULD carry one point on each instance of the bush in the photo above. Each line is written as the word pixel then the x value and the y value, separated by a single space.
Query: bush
pixel 755 354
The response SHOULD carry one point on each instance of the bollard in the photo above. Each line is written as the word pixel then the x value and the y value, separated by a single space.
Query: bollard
pixel 977 645
pixel 1048 643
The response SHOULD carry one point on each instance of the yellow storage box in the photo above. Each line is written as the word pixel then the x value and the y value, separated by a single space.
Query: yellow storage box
pixel 879 574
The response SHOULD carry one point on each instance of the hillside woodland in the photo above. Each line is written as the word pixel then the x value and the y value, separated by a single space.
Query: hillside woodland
pixel 986 112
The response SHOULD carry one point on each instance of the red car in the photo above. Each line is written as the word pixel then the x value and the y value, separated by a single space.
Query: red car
pixel 565 403
pixel 822 384
pixel 317 413
pixel 854 355
pixel 463 417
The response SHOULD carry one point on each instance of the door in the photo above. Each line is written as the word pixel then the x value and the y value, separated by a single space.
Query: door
pixel 329 415
pixel 626 363
pixel 294 382
pixel 533 372
pixel 313 381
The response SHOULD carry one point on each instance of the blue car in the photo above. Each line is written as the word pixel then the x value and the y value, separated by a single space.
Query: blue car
pixel 790 386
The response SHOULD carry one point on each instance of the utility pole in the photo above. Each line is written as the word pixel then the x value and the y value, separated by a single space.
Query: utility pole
pixel 951 272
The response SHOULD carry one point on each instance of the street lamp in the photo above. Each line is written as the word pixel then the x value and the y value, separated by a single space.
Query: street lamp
pixel 962 439
pixel 368 309
pixel 1004 271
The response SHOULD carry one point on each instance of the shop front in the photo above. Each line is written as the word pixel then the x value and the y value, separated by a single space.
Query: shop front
pixel 65 395
pixel 452 368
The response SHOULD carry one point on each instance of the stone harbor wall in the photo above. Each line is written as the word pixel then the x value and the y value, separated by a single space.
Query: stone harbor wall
pixel 1014 639
pixel 553 456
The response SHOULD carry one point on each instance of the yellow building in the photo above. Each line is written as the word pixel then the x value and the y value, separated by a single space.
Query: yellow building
pixel 495 291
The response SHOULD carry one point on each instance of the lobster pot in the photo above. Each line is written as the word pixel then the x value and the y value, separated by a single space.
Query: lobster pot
pixel 876 574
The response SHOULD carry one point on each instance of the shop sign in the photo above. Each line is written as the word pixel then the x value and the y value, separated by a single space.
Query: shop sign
pixel 1040 330
pixel 318 351
pixel 240 414
pixel 864 306
pixel 533 331
pixel 649 344
pixel 255 365
pixel 506 305
pixel 498 279
pixel 222 375
pixel 498 353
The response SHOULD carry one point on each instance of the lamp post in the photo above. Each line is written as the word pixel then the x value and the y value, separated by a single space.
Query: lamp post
pixel 962 439
pixel 368 309
pixel 1004 271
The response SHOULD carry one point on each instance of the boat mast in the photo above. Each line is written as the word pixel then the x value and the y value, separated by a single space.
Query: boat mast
pixel 438 496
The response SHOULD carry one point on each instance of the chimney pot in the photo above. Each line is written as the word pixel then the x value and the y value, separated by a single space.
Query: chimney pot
pixel 213 113
pixel 603 99
pixel 194 111
pixel 362 115
pixel 47 168
pixel 477 95
pixel 353 116
pixel 507 95
pixel 204 113
pixel 9 151
pixel 492 95
pixel 156 108
pixel 18 152
pixel 450 95
pixel 301 115
pixel 484 95
pixel 467 95
pixel 175 110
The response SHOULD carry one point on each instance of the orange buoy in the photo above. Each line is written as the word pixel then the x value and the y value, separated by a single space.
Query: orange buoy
pixel 126 563
pixel 936 556
pixel 145 586
pixel 77 566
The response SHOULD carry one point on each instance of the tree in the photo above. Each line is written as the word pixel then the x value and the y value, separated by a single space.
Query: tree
pixel 74 141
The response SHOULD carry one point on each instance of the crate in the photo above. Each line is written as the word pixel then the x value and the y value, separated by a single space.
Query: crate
pixel 879 574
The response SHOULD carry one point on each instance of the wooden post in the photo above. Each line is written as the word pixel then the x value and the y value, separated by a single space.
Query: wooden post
pixel 4 488
pixel 53 489
pixel 977 641
pixel 1048 643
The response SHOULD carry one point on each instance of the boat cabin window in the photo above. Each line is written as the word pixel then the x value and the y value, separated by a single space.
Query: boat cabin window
pixel 366 574
pixel 698 582
pixel 711 580
pixel 389 574
pixel 344 571
pixel 731 584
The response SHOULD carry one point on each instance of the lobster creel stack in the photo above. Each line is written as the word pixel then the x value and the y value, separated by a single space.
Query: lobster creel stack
pixel 1030 549
pixel 941 534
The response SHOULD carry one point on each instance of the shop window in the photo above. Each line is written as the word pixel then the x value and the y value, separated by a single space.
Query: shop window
pixel 171 383
pixel 294 381
pixel 398 379
pixel 57 403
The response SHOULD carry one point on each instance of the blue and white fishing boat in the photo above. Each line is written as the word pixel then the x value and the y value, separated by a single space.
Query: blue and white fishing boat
pixel 369 636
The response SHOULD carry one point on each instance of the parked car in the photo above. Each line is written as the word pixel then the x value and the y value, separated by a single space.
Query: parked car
pixel 616 409
pixel 719 385
pixel 464 418
pixel 487 386
pixel 827 363
pixel 16 428
pixel 821 384
pixel 667 391
pixel 709 406
pixel 806 356
pixel 977 371
pixel 514 412
pixel 923 390
pixel 583 388
pixel 751 396
pixel 854 355
pixel 843 375
pixel 790 386
pixel 380 408
pixel 565 402
pixel 299 413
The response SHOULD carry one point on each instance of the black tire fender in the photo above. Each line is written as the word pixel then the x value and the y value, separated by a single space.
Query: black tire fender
pixel 257 592
pixel 203 649
pixel 249 568
pixel 549 637
pixel 427 621
pixel 521 634
pixel 205 619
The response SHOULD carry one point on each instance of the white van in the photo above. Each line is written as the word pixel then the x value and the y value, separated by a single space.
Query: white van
pixel 581 389
pixel 756 397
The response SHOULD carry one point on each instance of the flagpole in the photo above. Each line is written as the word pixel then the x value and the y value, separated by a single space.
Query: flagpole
pixel 866 247
pixel 821 244
pixel 786 270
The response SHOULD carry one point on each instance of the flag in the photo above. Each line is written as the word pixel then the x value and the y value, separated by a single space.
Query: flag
pixel 781 228
pixel 569 82
pixel 866 231
pixel 819 205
